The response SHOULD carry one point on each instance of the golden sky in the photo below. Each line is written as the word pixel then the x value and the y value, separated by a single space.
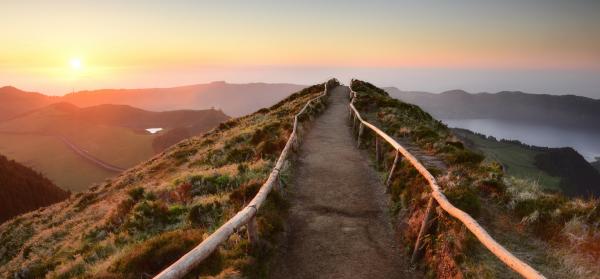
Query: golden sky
pixel 115 40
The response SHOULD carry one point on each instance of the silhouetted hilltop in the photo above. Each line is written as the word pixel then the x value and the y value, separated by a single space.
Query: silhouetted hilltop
pixel 14 101
pixel 233 99
pixel 22 190
pixel 579 178
pixel 566 110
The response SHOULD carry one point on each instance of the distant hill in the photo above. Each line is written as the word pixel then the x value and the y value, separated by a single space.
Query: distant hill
pixel 564 111
pixel 14 101
pixel 22 190
pixel 95 142
pixel 233 99
pixel 560 169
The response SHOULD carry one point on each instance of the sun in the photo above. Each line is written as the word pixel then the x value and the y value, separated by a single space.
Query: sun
pixel 76 64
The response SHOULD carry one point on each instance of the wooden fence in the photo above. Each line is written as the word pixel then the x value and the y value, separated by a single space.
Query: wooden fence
pixel 437 196
pixel 245 217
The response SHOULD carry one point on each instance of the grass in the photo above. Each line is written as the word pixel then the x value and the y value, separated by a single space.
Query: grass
pixel 118 146
pixel 518 161
pixel 144 219
pixel 51 157
pixel 115 145
pixel 555 234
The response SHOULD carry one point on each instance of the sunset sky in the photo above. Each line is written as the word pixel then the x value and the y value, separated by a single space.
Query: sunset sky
pixel 545 46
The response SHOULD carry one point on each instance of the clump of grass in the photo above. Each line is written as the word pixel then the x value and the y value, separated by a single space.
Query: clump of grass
pixel 155 254
pixel 206 215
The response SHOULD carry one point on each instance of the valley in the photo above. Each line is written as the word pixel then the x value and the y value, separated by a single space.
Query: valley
pixel 76 147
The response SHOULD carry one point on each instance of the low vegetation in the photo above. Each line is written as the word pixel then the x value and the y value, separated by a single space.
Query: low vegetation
pixel 562 233
pixel 140 222
pixel 22 190
pixel 555 169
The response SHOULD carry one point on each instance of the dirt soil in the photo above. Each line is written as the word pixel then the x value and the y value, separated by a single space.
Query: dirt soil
pixel 338 225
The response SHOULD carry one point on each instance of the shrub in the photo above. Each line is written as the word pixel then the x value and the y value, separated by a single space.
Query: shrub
pixel 242 168
pixel 156 253
pixel 465 198
pixel 206 215
pixel 182 156
pixel 463 156
pixel 209 185
pixel 136 194
pixel 119 215
pixel 270 148
pixel 244 193
pixel 148 215
pixel 239 155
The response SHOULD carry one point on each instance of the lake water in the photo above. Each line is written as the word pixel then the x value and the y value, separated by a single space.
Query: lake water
pixel 585 142
pixel 154 130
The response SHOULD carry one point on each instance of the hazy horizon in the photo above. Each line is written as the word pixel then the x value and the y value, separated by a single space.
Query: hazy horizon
pixel 536 46
pixel 554 82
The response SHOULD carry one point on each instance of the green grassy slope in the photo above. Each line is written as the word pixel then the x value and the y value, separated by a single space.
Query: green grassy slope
pixel 51 157
pixel 517 160
pixel 146 218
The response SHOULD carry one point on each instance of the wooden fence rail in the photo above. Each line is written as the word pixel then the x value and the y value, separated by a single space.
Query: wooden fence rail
pixel 246 216
pixel 504 255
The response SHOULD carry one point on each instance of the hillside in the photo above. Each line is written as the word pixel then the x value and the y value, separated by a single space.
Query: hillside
pixel 561 111
pixel 23 190
pixel 561 169
pixel 233 99
pixel 62 137
pixel 555 234
pixel 14 101
pixel 147 217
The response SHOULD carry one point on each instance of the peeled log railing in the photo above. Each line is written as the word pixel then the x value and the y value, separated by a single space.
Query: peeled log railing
pixel 437 196
pixel 246 216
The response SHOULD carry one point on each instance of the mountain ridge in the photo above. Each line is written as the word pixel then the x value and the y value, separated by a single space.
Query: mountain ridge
pixel 235 99
pixel 557 110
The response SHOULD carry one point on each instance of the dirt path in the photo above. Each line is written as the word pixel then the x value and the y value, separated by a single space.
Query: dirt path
pixel 338 222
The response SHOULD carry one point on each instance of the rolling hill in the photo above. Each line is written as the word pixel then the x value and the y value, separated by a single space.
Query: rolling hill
pixel 147 217
pixel 22 190
pixel 233 99
pixel 14 101
pixel 75 146
pixel 561 111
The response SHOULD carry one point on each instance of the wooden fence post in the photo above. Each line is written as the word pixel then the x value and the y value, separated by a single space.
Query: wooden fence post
pixel 360 132
pixel 424 230
pixel 377 151
pixel 252 228
pixel 276 183
pixel 389 178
